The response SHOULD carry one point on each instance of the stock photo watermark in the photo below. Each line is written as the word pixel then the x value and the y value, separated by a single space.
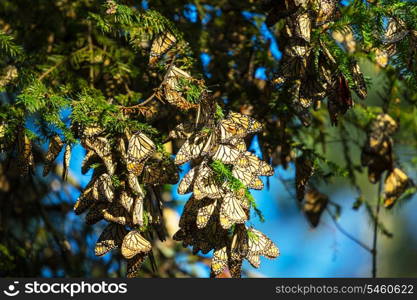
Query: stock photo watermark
pixel 61 288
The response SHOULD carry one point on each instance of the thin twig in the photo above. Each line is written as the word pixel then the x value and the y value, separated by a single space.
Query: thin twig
pixel 149 99
pixel 90 49
pixel 347 234
pixel 47 72
pixel 375 237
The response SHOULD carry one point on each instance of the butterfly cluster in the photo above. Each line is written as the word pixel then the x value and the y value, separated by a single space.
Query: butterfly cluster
pixel 121 191
pixel 377 155
pixel 308 70
pixel 215 214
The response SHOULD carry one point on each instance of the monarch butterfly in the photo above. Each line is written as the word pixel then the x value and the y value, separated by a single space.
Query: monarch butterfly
pixel 134 185
pixel 254 165
pixel 385 124
pixel 101 146
pixel 137 213
pixel 339 99
pixel 206 184
pixel 90 158
pixel 314 205
pixel 95 213
pixel 238 250
pixel 126 200
pixel 230 130
pixel 117 213
pixel 358 80
pixel 189 214
pixel 291 67
pixel 133 206
pixel 239 243
pixel 92 131
pixel 66 161
pixel 160 172
pixel 187 181
pixel 300 26
pixel 174 89
pixel 219 261
pixel 239 144
pixel 235 267
pixel 377 150
pixel 395 185
pixel 193 147
pixel 133 244
pixel 303 171
pixel 326 11
pixel 181 131
pixel 104 187
pixel 111 237
pixel 205 210
pixel 396 31
pixel 162 44
pixel 248 179
pixel 232 211
pixel 259 244
pixel 139 149
pixel 226 154
pixel 54 148
pixel 84 202
pixel 25 155
pixel 134 264
pixel 248 123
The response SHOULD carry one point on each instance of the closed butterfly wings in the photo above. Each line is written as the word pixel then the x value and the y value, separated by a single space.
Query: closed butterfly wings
pixel 133 244
pixel 174 88
pixel 161 45
pixel 247 123
pixel 195 146
pixel 259 244
pixel 101 146
pixel 254 165
pixel 234 210
pixel 219 261
pixel 206 184
pixel 140 148
pixel 206 208
pixel 227 154
pixel 111 237
pixel 249 179
pixel 160 172
pixel 55 147
pixel 395 185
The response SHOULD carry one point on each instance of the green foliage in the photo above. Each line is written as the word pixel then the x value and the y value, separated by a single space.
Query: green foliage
pixel 8 46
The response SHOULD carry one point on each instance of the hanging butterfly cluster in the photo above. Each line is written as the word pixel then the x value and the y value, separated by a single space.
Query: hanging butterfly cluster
pixel 377 155
pixel 308 70
pixel 122 192
pixel 215 215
